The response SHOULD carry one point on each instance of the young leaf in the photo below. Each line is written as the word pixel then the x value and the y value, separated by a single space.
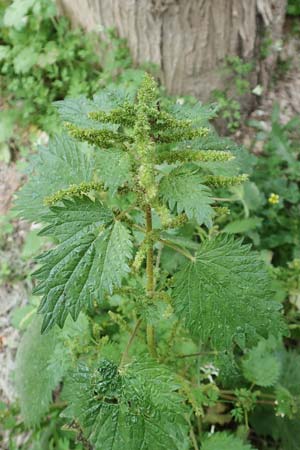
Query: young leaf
pixel 90 259
pixel 225 294
pixel 76 111
pixel 113 167
pixel 184 188
pixel 262 365
pixel 133 408
pixel 57 166
pixel 224 441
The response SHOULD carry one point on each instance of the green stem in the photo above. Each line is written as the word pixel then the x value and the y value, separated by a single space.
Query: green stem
pixel 178 249
pixel 131 339
pixel 168 244
pixel 150 281
pixel 191 355
pixel 193 439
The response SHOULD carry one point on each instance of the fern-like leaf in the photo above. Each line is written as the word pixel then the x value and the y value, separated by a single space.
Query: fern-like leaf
pixel 225 294
pixel 90 259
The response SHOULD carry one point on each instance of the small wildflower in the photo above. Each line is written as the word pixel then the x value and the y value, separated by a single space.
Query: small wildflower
pixel 273 199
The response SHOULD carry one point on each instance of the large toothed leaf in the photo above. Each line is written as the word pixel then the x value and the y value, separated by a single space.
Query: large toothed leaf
pixel 133 409
pixel 185 190
pixel 55 167
pixel 76 110
pixel 113 168
pixel 226 295
pixel 90 259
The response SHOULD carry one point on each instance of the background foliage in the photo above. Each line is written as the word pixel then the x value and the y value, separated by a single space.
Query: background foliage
pixel 241 401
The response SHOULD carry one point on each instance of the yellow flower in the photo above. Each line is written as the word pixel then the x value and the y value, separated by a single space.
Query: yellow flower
pixel 273 199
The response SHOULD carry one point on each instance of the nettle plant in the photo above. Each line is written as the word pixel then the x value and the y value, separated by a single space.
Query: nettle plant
pixel 168 313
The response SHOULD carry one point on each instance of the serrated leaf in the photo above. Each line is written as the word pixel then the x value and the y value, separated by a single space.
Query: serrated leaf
pixel 89 261
pixel 55 167
pixel 133 408
pixel 224 441
pixel 113 168
pixel 76 110
pixel 262 365
pixel 41 363
pixel 225 294
pixel 184 189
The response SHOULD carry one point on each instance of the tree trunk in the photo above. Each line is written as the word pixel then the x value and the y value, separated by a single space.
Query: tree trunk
pixel 188 39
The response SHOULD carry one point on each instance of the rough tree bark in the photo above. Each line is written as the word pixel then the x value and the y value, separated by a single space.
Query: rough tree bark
pixel 188 39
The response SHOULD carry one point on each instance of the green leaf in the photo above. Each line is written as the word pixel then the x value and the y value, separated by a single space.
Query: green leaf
pixel 184 189
pixel 15 13
pixel 89 261
pixel 76 111
pixel 113 168
pixel 262 365
pixel 242 225
pixel 25 60
pixel 41 363
pixel 4 51
pixel 225 294
pixel 49 56
pixel 224 441
pixel 130 408
pixel 55 167
pixel 281 429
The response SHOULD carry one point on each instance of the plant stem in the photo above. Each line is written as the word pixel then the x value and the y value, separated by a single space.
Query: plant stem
pixel 193 439
pixel 178 249
pixel 169 244
pixel 131 339
pixel 191 355
pixel 150 280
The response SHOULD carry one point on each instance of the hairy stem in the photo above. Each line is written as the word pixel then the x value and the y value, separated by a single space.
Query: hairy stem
pixel 150 281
